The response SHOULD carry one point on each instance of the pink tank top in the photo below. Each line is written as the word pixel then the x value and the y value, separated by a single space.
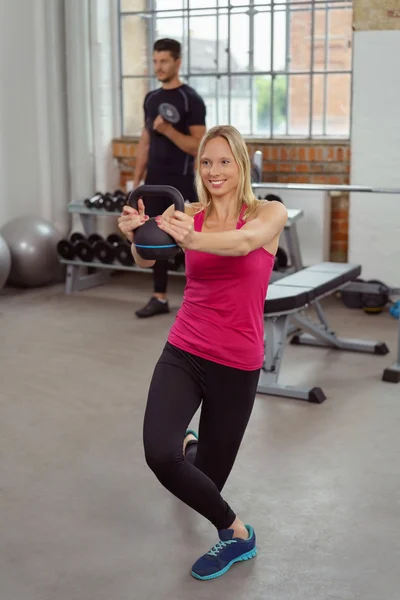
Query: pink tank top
pixel 221 317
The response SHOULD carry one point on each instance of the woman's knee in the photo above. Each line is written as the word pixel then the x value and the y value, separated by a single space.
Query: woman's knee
pixel 160 459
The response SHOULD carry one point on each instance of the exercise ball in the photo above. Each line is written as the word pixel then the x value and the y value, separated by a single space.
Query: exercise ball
pixel 5 262
pixel 32 242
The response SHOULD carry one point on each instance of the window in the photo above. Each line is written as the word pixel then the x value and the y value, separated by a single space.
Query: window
pixel 272 68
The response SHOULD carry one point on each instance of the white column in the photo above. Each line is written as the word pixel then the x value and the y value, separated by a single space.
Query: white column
pixel 80 125
pixel 374 229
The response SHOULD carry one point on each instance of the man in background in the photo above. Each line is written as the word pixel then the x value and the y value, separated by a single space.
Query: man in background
pixel 166 151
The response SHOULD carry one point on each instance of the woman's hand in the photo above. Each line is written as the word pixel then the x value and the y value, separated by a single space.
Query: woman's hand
pixel 180 226
pixel 131 219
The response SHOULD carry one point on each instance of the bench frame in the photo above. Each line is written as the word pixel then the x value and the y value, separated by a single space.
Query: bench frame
pixel 279 325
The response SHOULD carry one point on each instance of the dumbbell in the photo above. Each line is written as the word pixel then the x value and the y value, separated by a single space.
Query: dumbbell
pixel 95 201
pixel 113 248
pixel 114 202
pixel 78 246
pixel 110 202
pixel 168 112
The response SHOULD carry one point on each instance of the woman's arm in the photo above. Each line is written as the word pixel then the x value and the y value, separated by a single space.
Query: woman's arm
pixel 257 233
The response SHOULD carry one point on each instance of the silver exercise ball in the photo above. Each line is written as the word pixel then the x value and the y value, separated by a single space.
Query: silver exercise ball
pixel 33 246
pixel 5 262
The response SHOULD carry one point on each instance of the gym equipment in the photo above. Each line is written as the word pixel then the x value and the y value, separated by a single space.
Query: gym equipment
pixel 114 248
pixel 372 295
pixel 150 241
pixel 78 247
pixel 5 262
pixel 374 303
pixel 286 299
pixel 394 310
pixel 32 242
pixel 122 250
pixel 114 202
pixel 257 167
pixel 169 113
pixel 325 187
pixel 281 259
pixel 392 374
pixel 351 299
pixel 109 202
pixel 95 201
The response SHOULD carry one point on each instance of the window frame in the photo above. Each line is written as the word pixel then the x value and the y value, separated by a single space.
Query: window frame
pixel 252 9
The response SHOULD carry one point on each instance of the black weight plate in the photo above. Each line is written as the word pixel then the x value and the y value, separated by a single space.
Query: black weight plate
pixel 169 113
pixel 104 252
pixel 109 204
pixel 121 202
pixel 123 254
pixel 76 237
pixel 114 238
pixel 93 238
pixel 66 250
pixel 84 251
pixel 375 303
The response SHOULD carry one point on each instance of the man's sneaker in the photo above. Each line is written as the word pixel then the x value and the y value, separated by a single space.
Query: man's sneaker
pixel 153 307
pixel 223 555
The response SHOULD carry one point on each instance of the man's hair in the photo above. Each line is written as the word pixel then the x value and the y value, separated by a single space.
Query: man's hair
pixel 168 45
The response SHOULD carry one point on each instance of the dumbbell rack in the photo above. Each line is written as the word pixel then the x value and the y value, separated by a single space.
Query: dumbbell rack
pixel 82 275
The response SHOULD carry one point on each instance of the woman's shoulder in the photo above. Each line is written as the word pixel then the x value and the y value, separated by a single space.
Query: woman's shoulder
pixel 268 205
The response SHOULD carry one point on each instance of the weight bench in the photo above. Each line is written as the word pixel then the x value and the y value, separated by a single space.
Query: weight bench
pixel 287 299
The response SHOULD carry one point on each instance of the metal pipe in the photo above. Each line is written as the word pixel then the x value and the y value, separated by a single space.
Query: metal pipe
pixel 312 187
pixel 272 81
pixel 311 90
pixel 239 73
pixel 245 6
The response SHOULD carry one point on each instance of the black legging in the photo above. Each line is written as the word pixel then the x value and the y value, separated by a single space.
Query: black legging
pixel 181 381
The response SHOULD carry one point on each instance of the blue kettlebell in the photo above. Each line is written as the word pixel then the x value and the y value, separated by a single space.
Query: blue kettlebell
pixel 151 242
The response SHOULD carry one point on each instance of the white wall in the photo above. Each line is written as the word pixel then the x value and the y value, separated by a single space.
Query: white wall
pixel 58 105
pixel 374 231
pixel 33 128
pixel 314 227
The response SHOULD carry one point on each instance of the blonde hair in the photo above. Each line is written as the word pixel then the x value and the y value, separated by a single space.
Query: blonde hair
pixel 240 153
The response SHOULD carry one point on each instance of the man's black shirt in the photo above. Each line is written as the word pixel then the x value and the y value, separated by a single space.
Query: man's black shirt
pixel 164 156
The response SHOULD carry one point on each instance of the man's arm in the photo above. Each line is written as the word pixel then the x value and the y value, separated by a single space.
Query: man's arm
pixel 187 143
pixel 142 157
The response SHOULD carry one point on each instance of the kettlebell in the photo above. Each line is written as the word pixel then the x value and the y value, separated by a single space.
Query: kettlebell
pixel 151 242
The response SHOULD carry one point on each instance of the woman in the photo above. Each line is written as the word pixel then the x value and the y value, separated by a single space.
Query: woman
pixel 215 347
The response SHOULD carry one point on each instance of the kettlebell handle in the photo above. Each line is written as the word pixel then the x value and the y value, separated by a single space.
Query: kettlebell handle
pixel 157 190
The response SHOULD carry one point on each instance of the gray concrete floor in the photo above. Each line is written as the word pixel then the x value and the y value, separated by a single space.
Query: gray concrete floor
pixel 82 517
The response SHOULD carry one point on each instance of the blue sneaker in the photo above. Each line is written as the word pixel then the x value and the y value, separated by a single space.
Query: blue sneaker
pixel 223 555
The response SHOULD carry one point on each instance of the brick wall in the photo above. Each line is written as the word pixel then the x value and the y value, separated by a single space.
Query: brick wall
pixel 327 162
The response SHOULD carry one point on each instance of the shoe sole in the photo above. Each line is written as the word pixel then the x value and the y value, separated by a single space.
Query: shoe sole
pixel 247 556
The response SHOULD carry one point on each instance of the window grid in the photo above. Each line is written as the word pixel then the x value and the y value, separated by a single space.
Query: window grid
pixel 222 8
